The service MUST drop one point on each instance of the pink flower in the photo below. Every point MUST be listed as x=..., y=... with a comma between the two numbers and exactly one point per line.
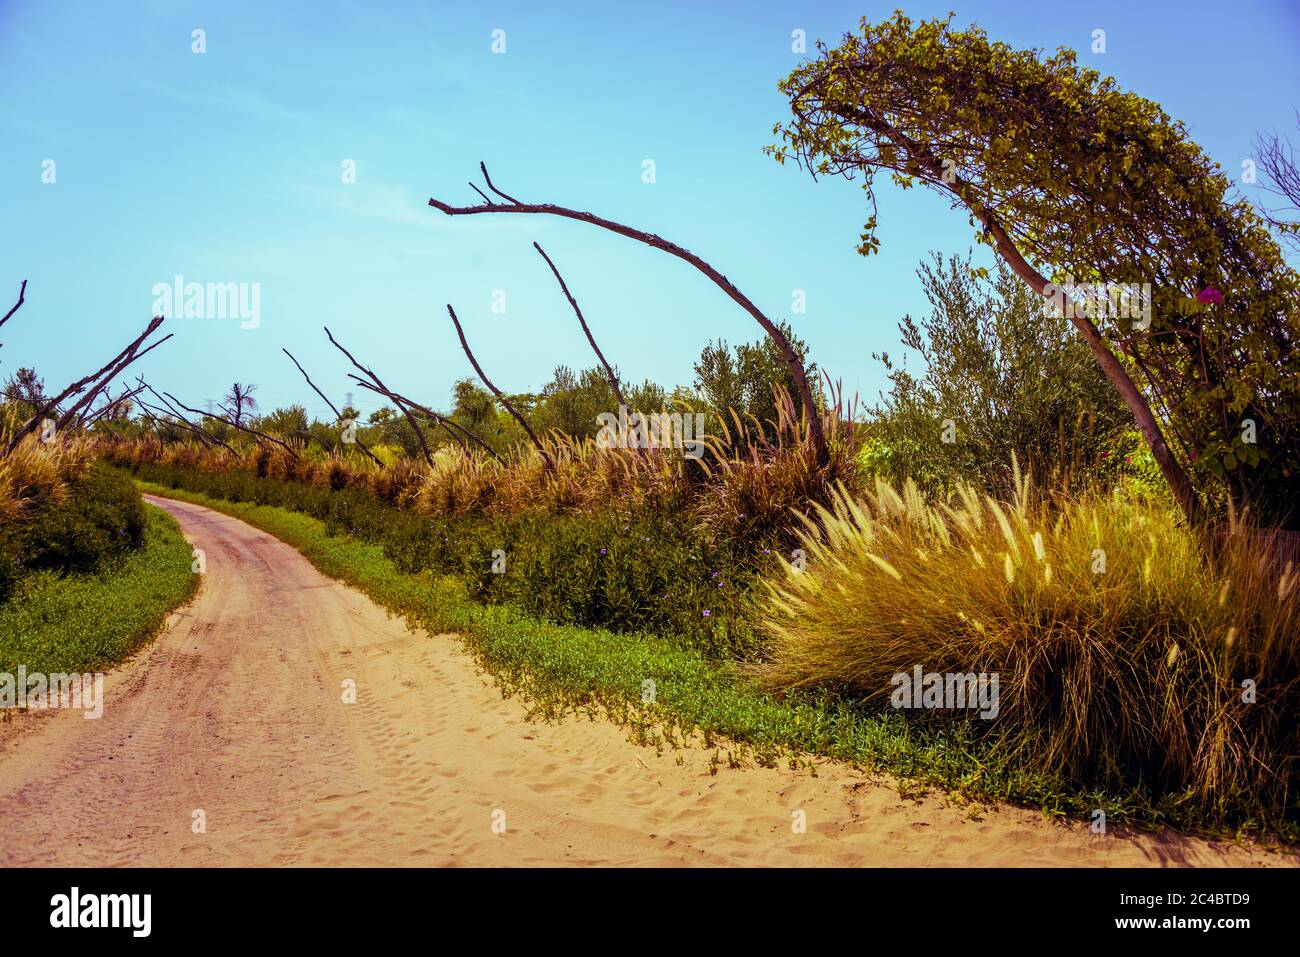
x=1210, y=296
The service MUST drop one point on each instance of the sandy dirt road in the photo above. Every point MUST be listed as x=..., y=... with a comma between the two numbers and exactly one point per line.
x=237, y=710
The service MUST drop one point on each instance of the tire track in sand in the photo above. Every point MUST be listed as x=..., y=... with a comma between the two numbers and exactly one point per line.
x=236, y=710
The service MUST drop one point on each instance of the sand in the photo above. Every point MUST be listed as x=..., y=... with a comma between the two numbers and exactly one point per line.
x=236, y=710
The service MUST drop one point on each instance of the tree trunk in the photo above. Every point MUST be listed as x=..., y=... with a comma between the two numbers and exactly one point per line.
x=1181, y=486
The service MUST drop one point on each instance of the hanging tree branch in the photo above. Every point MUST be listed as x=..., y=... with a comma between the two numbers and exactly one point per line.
x=419, y=433
x=337, y=414
x=613, y=379
x=537, y=443
x=816, y=431
x=398, y=399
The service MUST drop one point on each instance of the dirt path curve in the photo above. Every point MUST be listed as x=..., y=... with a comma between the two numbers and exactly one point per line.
x=237, y=710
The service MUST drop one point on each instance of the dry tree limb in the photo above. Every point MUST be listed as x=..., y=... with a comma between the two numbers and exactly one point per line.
x=204, y=436
x=447, y=423
x=118, y=363
x=242, y=428
x=613, y=379
x=22, y=297
x=1281, y=164
x=537, y=443
x=145, y=412
x=333, y=408
x=85, y=402
x=307, y=437
x=488, y=179
x=419, y=433
x=158, y=425
x=170, y=410
x=815, y=430
x=402, y=402
x=88, y=417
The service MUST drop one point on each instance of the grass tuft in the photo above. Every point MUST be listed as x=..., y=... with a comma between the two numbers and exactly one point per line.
x=1128, y=652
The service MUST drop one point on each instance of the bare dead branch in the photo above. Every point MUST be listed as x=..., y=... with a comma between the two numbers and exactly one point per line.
x=204, y=436
x=22, y=297
x=1279, y=161
x=84, y=402
x=118, y=363
x=488, y=179
x=537, y=443
x=613, y=379
x=402, y=402
x=88, y=418
x=170, y=425
x=242, y=428
x=815, y=429
x=397, y=398
x=333, y=408
x=419, y=433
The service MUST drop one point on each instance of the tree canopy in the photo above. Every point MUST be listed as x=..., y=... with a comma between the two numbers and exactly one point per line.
x=1070, y=177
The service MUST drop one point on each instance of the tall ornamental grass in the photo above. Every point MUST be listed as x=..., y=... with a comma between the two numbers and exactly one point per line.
x=1129, y=652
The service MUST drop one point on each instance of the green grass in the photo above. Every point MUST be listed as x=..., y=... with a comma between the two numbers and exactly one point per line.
x=85, y=622
x=565, y=669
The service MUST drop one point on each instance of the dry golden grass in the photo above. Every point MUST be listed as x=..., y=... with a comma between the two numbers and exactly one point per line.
x=39, y=471
x=1127, y=648
x=755, y=491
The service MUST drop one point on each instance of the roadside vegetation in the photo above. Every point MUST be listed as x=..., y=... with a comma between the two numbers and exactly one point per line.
x=87, y=572
x=567, y=669
x=1144, y=671
x=88, y=620
x=1098, y=507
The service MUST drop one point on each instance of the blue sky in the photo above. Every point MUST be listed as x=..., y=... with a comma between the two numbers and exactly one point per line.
x=226, y=167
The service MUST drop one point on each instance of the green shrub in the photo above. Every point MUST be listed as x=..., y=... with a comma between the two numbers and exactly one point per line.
x=102, y=518
x=86, y=621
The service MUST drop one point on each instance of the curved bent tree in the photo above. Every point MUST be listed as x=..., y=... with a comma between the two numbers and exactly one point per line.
x=1074, y=181
x=512, y=205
